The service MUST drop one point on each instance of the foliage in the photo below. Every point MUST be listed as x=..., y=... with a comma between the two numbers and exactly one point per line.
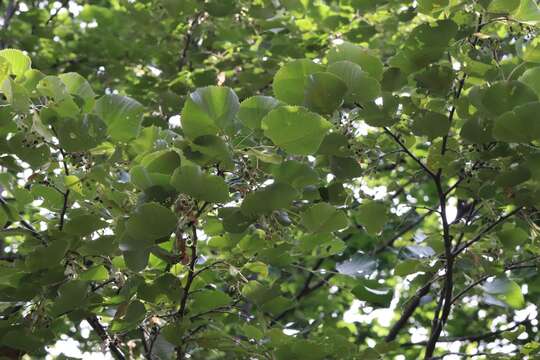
x=373, y=154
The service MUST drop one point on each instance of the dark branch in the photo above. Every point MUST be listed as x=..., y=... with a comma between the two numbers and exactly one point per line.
x=306, y=289
x=407, y=313
x=10, y=11
x=104, y=336
x=408, y=152
x=485, y=231
x=406, y=229
x=188, y=39
x=189, y=281
x=472, y=338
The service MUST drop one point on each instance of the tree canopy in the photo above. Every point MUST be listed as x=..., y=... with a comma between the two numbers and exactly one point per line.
x=270, y=179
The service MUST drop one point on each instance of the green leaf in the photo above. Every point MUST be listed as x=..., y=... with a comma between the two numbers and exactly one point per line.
x=429, y=6
x=503, y=6
x=335, y=144
x=358, y=55
x=324, y=92
x=321, y=244
x=295, y=173
x=430, y=124
x=290, y=80
x=208, y=300
x=272, y=197
x=5, y=69
x=277, y=305
x=511, y=237
x=136, y=260
x=47, y=257
x=359, y=266
x=190, y=179
x=22, y=339
x=81, y=134
x=324, y=218
x=73, y=183
x=380, y=114
x=435, y=80
x=151, y=221
x=71, y=295
x=528, y=12
x=502, y=96
x=78, y=86
x=505, y=290
x=144, y=180
x=19, y=61
x=477, y=130
x=425, y=45
x=234, y=221
x=529, y=51
x=257, y=293
x=512, y=176
x=345, y=167
x=165, y=289
x=375, y=294
x=406, y=267
x=36, y=156
x=84, y=224
x=3, y=217
x=295, y=129
x=95, y=273
x=361, y=87
x=122, y=115
x=209, y=111
x=210, y=150
x=520, y=125
x=134, y=314
x=531, y=78
x=161, y=162
x=173, y=332
x=16, y=95
x=372, y=215
x=255, y=108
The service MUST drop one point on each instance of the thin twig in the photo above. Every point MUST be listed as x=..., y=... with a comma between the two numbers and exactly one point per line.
x=408, y=152
x=471, y=338
x=485, y=231
x=63, y=4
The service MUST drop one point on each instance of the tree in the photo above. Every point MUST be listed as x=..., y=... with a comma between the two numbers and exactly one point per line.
x=224, y=179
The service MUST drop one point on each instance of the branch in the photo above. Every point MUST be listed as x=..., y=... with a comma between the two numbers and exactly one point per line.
x=191, y=274
x=486, y=230
x=10, y=257
x=472, y=338
x=187, y=41
x=23, y=222
x=55, y=13
x=405, y=230
x=407, y=313
x=514, y=266
x=445, y=302
x=408, y=152
x=306, y=289
x=104, y=336
x=147, y=354
x=189, y=281
x=66, y=194
x=10, y=11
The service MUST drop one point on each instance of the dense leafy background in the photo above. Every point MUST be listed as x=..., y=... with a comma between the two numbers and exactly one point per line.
x=228, y=179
